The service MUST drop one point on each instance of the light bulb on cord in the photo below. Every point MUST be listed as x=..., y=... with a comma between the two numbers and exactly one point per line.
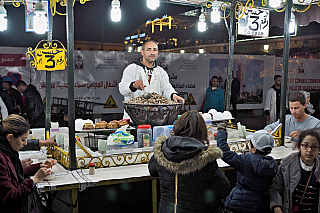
x=115, y=11
x=3, y=17
x=40, y=19
x=215, y=14
x=202, y=26
x=292, y=25
x=153, y=4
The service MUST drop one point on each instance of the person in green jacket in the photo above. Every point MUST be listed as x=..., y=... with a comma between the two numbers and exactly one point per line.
x=214, y=96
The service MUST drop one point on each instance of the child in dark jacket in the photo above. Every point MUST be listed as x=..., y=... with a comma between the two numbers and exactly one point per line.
x=255, y=172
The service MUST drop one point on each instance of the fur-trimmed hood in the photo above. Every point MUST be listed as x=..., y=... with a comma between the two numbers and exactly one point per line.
x=183, y=155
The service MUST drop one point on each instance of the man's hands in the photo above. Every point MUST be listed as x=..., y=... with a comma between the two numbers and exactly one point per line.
x=49, y=163
x=138, y=84
x=177, y=99
x=26, y=162
x=295, y=134
x=50, y=141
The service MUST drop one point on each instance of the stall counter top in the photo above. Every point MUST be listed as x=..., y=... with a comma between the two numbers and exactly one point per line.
x=105, y=176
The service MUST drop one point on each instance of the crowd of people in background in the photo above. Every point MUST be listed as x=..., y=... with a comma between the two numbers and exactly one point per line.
x=25, y=101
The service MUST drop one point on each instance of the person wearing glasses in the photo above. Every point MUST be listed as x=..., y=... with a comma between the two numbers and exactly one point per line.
x=295, y=188
x=298, y=121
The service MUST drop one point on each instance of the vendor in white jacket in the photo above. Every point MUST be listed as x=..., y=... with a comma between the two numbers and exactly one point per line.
x=146, y=74
x=272, y=102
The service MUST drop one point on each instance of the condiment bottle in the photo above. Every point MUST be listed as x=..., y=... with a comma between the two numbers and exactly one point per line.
x=144, y=135
x=92, y=167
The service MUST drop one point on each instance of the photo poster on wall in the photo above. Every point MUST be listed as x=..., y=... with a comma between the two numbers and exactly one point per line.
x=250, y=72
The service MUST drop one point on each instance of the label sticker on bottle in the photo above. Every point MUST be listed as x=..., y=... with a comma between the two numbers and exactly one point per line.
x=146, y=140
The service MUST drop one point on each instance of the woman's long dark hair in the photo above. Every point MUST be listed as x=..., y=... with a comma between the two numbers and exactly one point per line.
x=15, y=125
x=191, y=124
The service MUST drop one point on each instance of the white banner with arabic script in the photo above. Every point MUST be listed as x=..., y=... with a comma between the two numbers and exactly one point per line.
x=97, y=75
x=254, y=23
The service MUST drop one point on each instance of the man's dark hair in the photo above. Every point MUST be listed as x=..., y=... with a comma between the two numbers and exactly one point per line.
x=216, y=77
x=276, y=77
x=297, y=96
x=21, y=82
x=147, y=42
x=9, y=82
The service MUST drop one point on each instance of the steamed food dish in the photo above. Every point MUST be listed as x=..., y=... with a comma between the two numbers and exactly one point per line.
x=155, y=99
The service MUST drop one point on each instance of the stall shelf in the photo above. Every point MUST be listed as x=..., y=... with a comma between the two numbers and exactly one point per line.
x=131, y=156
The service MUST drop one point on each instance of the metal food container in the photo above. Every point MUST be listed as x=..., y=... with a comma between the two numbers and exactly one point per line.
x=153, y=114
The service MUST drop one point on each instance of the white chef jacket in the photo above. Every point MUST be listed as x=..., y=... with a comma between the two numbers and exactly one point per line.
x=159, y=82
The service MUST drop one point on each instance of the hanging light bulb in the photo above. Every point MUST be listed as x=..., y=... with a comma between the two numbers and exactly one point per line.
x=215, y=14
x=153, y=4
x=274, y=3
x=201, y=50
x=40, y=19
x=3, y=17
x=292, y=25
x=115, y=11
x=202, y=26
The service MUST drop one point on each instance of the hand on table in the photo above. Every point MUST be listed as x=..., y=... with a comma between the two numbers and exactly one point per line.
x=41, y=174
x=295, y=134
x=138, y=84
x=26, y=162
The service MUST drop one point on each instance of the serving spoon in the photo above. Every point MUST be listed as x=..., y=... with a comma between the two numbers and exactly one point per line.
x=146, y=95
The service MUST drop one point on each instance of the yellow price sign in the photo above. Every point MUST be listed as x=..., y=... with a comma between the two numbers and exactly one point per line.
x=51, y=59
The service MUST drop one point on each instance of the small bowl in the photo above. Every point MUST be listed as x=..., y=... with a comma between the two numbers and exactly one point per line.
x=287, y=139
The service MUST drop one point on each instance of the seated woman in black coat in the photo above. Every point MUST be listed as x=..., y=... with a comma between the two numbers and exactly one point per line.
x=190, y=179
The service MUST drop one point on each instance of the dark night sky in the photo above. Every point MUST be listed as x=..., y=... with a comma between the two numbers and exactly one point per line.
x=87, y=25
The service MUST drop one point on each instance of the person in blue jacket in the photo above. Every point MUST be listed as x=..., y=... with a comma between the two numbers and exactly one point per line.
x=255, y=172
x=214, y=96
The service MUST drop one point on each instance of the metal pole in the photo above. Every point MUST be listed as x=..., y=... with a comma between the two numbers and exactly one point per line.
x=231, y=33
x=48, y=84
x=286, y=50
x=102, y=31
x=71, y=113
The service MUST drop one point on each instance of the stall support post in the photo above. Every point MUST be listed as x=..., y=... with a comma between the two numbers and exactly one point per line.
x=48, y=84
x=154, y=196
x=75, y=200
x=231, y=33
x=286, y=51
x=71, y=113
